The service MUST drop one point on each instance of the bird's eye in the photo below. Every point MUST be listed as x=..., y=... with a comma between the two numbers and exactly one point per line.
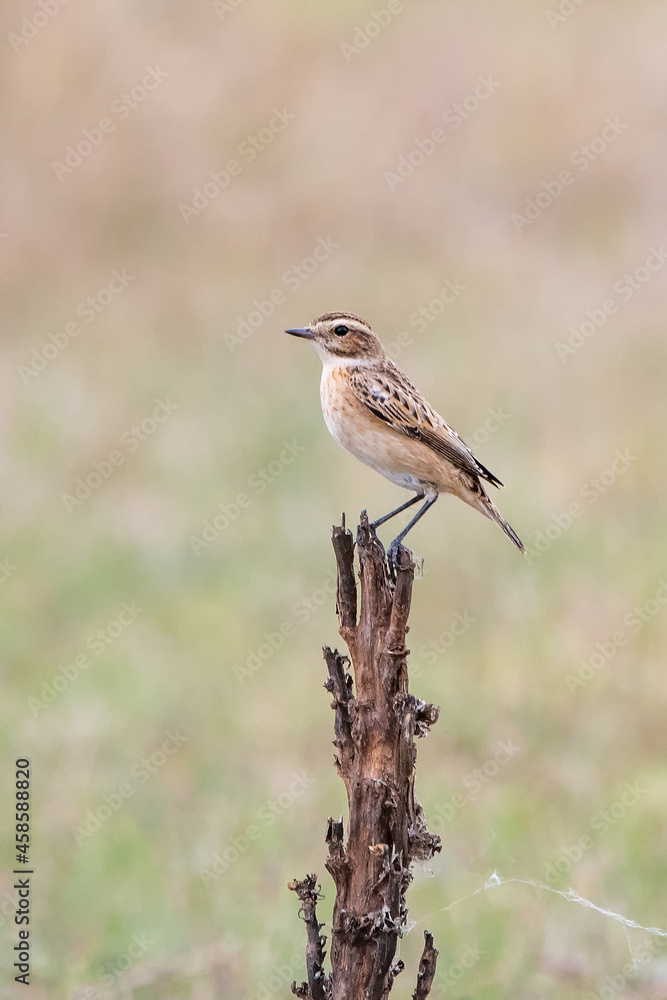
x=340, y=331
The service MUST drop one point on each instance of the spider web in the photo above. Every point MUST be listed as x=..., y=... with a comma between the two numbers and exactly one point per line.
x=571, y=895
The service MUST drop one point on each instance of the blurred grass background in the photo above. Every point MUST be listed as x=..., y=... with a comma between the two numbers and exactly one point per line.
x=132, y=894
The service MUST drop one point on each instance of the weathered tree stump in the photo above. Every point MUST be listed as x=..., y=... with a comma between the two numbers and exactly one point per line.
x=376, y=722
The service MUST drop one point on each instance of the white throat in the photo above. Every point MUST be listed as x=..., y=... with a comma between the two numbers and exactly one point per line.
x=331, y=361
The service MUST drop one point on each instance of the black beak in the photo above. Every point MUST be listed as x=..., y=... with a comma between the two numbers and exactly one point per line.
x=302, y=331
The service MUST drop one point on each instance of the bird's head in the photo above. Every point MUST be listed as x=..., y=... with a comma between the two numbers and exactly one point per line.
x=341, y=336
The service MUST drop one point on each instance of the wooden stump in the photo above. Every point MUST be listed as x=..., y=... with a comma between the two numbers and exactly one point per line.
x=376, y=722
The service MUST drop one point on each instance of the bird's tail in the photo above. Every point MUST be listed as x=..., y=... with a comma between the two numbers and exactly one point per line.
x=489, y=509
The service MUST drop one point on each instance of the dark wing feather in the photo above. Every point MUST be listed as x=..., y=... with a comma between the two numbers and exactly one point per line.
x=393, y=398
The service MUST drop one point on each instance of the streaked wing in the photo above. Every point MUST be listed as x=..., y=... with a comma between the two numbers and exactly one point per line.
x=393, y=398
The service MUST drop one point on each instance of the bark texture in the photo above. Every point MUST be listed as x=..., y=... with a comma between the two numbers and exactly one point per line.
x=376, y=722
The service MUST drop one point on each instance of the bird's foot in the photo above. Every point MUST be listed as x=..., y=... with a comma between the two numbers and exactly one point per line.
x=394, y=557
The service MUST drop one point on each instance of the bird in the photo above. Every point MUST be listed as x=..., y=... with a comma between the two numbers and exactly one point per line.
x=373, y=410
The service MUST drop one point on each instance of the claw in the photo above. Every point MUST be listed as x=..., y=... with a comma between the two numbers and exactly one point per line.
x=393, y=553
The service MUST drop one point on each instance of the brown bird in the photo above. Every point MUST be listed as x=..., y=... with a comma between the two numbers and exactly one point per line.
x=373, y=410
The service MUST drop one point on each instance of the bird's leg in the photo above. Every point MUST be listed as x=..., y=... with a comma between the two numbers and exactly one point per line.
x=404, y=506
x=392, y=552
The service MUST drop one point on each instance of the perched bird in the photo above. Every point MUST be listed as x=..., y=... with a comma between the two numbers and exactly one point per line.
x=373, y=410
